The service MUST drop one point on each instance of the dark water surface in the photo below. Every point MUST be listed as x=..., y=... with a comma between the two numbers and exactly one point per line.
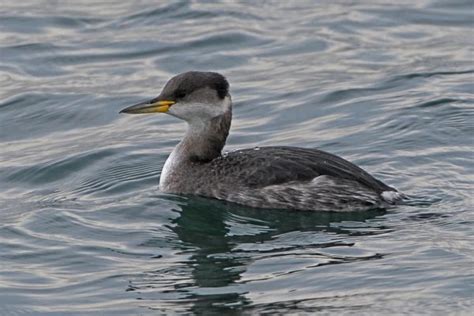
x=85, y=231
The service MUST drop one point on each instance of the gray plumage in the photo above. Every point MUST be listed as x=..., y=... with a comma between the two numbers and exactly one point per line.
x=265, y=177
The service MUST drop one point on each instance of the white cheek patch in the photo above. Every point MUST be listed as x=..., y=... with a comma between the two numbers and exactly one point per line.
x=200, y=111
x=226, y=104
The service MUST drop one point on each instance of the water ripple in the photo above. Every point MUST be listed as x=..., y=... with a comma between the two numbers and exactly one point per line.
x=84, y=229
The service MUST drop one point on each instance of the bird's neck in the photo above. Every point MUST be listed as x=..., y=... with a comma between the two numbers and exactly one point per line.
x=202, y=143
x=204, y=140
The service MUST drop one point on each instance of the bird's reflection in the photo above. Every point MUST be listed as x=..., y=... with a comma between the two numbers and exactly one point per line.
x=214, y=230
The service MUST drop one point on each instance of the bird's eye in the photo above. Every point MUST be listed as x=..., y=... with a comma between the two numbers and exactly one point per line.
x=180, y=94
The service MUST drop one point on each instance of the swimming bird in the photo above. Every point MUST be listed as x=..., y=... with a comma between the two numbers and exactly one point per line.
x=277, y=177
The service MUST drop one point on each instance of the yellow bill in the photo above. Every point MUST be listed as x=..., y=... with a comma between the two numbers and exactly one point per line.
x=161, y=106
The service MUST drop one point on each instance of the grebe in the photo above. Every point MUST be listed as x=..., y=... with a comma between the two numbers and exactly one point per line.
x=265, y=177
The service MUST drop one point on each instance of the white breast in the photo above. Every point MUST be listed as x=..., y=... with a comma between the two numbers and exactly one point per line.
x=168, y=168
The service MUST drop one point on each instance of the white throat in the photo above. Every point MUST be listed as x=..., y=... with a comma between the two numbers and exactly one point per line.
x=198, y=131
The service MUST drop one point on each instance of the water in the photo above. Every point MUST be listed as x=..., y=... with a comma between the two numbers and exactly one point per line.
x=85, y=231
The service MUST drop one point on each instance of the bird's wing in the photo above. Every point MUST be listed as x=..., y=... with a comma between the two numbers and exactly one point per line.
x=265, y=166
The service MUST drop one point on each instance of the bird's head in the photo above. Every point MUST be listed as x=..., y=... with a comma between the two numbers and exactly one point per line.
x=191, y=96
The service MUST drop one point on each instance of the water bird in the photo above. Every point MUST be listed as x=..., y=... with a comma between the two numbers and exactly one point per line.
x=277, y=177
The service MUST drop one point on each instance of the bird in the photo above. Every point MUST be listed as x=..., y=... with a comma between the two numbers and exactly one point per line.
x=273, y=177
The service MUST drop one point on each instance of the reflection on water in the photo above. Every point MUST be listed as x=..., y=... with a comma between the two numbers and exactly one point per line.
x=224, y=239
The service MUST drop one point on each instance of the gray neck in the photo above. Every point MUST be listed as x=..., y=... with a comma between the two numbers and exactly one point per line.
x=204, y=140
x=202, y=143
